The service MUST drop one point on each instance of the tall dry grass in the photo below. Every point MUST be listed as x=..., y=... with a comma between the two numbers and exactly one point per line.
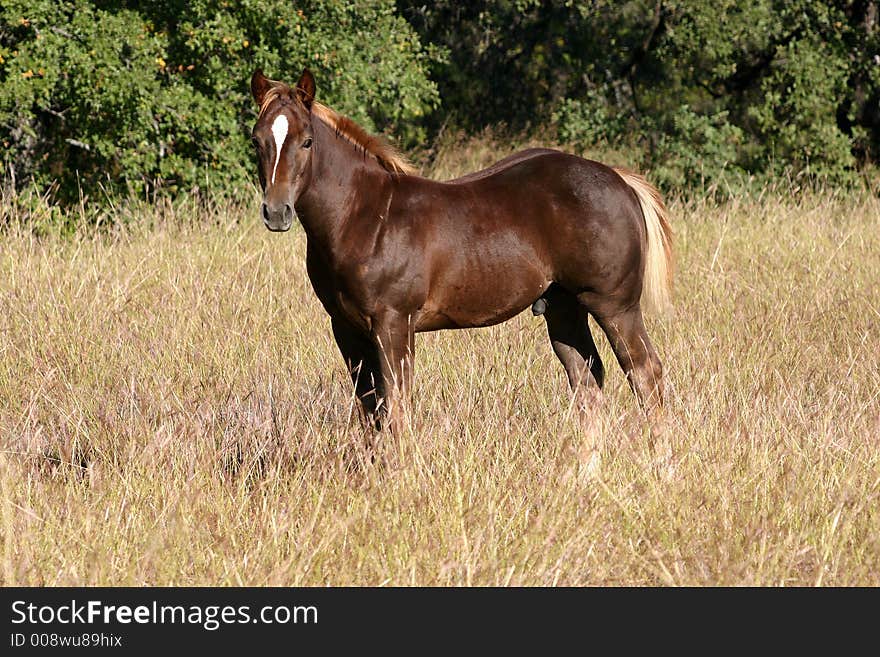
x=173, y=411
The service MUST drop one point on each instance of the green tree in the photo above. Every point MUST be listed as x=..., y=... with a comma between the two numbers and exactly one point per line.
x=778, y=69
x=697, y=88
x=154, y=95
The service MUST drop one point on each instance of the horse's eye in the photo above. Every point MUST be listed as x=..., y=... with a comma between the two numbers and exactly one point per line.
x=255, y=142
x=307, y=143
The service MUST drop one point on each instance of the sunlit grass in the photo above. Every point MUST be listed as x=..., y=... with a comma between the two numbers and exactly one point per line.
x=173, y=410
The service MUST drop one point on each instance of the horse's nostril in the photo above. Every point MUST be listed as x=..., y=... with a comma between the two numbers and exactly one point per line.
x=265, y=211
x=288, y=212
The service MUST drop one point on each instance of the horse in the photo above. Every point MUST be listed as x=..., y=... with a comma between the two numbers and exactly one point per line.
x=390, y=254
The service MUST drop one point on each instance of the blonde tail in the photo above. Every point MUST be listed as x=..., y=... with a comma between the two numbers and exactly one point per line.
x=657, y=285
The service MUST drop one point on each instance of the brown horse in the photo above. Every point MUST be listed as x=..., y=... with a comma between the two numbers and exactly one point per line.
x=390, y=254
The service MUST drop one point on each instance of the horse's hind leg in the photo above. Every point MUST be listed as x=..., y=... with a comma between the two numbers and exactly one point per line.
x=636, y=355
x=573, y=344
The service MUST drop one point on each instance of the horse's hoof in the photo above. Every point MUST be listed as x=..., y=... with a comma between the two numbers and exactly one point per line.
x=539, y=307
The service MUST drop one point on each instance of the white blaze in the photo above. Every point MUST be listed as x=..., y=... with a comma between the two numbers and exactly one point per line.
x=279, y=132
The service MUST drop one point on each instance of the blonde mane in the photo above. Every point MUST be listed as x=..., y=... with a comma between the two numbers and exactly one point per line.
x=389, y=157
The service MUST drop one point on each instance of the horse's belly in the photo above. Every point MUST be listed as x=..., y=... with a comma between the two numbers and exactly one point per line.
x=480, y=298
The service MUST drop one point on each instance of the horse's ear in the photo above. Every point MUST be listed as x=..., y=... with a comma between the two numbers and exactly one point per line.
x=260, y=84
x=305, y=88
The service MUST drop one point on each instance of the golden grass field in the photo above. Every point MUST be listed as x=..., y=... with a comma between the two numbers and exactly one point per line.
x=173, y=410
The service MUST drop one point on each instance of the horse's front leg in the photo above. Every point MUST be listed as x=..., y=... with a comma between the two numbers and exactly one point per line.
x=394, y=336
x=362, y=360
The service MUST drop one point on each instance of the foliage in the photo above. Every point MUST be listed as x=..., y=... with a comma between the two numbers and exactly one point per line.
x=696, y=88
x=587, y=121
x=153, y=96
x=138, y=95
x=779, y=69
x=696, y=148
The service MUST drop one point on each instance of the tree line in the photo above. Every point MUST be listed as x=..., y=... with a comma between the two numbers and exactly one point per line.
x=153, y=97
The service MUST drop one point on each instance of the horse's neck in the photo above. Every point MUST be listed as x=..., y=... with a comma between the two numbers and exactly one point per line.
x=344, y=182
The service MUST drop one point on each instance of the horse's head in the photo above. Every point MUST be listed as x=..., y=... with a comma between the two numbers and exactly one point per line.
x=282, y=137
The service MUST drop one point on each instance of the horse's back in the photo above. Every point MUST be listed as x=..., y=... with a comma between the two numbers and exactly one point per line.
x=501, y=165
x=554, y=171
x=552, y=200
x=547, y=190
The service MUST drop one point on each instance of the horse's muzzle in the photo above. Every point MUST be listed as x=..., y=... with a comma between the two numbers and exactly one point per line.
x=278, y=219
